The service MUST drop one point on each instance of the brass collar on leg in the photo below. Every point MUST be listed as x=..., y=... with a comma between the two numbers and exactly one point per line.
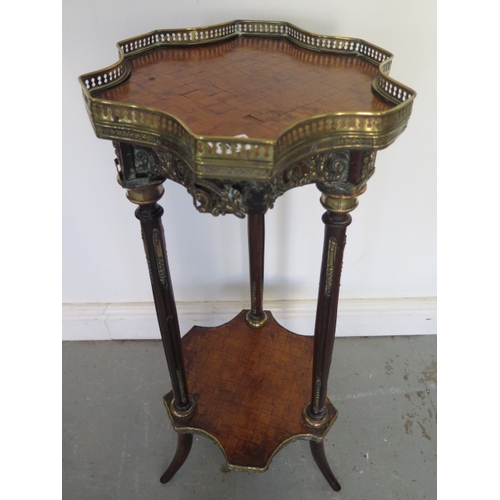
x=182, y=414
x=341, y=203
x=315, y=423
x=145, y=195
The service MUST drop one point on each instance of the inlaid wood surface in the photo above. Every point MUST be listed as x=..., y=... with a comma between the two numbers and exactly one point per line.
x=248, y=85
x=250, y=386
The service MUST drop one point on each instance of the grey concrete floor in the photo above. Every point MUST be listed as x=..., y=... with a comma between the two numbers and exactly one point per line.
x=118, y=440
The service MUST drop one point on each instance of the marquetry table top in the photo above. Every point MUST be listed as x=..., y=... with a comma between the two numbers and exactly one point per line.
x=280, y=89
x=254, y=86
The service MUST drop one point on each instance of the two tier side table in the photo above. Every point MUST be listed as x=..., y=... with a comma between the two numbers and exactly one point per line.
x=239, y=113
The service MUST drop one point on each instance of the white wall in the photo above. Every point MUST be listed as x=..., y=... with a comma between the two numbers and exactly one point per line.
x=391, y=248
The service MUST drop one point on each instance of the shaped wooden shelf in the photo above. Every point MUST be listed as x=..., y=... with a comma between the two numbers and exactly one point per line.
x=250, y=386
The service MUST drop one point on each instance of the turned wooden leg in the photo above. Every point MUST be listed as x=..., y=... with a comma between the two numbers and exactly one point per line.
x=256, y=317
x=326, y=314
x=184, y=444
x=339, y=198
x=149, y=213
x=318, y=453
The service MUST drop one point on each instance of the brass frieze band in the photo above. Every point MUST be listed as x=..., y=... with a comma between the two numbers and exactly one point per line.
x=329, y=170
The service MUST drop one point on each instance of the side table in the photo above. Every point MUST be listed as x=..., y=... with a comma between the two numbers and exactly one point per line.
x=239, y=113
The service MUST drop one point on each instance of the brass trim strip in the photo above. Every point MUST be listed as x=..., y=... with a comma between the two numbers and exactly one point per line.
x=195, y=430
x=330, y=265
x=160, y=261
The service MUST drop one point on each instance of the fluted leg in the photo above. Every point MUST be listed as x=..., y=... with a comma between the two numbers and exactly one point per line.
x=149, y=213
x=256, y=317
x=326, y=315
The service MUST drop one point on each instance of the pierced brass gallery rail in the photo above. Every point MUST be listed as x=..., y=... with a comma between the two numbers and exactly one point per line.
x=251, y=159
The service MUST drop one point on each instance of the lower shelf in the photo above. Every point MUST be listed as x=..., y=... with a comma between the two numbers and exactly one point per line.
x=251, y=387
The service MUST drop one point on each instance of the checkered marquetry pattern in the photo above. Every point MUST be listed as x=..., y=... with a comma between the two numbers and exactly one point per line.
x=250, y=387
x=248, y=85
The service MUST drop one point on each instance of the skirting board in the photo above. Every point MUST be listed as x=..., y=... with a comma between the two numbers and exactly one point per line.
x=356, y=318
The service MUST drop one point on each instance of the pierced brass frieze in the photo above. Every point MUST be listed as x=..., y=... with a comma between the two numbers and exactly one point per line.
x=329, y=166
x=329, y=171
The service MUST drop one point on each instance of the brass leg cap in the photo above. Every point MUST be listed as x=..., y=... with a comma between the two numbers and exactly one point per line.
x=315, y=423
x=255, y=322
x=182, y=414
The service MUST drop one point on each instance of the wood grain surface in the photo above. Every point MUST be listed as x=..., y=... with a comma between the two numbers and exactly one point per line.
x=250, y=386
